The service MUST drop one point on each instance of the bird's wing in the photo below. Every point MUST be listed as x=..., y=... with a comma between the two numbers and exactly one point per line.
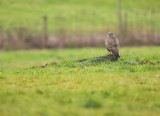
x=114, y=45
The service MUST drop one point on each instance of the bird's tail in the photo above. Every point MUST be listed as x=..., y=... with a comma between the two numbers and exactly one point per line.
x=116, y=56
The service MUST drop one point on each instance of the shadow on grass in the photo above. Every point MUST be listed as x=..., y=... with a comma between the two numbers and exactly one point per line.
x=98, y=59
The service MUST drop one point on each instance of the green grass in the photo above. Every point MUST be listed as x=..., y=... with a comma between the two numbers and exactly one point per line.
x=76, y=15
x=129, y=87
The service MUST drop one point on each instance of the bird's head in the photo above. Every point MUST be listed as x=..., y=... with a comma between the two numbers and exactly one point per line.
x=110, y=34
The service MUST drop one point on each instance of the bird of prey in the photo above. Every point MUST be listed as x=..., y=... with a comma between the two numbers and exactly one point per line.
x=112, y=45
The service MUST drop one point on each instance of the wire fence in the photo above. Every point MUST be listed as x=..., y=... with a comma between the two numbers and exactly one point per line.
x=132, y=28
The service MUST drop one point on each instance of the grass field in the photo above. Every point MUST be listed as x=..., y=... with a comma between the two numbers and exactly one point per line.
x=87, y=15
x=129, y=87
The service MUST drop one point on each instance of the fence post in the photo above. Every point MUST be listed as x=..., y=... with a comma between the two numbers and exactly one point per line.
x=153, y=28
x=119, y=17
x=45, y=32
x=125, y=26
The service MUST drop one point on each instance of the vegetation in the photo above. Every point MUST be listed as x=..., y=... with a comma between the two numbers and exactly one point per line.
x=66, y=87
x=69, y=14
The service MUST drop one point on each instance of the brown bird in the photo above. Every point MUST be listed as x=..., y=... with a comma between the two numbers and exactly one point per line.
x=112, y=45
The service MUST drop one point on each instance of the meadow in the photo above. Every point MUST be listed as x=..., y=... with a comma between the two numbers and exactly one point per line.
x=129, y=87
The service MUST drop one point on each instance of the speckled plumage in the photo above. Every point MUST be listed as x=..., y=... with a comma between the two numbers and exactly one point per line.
x=112, y=45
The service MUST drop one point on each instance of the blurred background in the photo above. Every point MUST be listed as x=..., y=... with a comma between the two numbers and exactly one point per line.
x=38, y=24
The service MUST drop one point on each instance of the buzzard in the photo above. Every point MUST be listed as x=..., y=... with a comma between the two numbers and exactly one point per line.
x=112, y=45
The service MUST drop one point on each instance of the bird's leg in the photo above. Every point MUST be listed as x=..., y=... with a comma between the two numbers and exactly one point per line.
x=110, y=53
